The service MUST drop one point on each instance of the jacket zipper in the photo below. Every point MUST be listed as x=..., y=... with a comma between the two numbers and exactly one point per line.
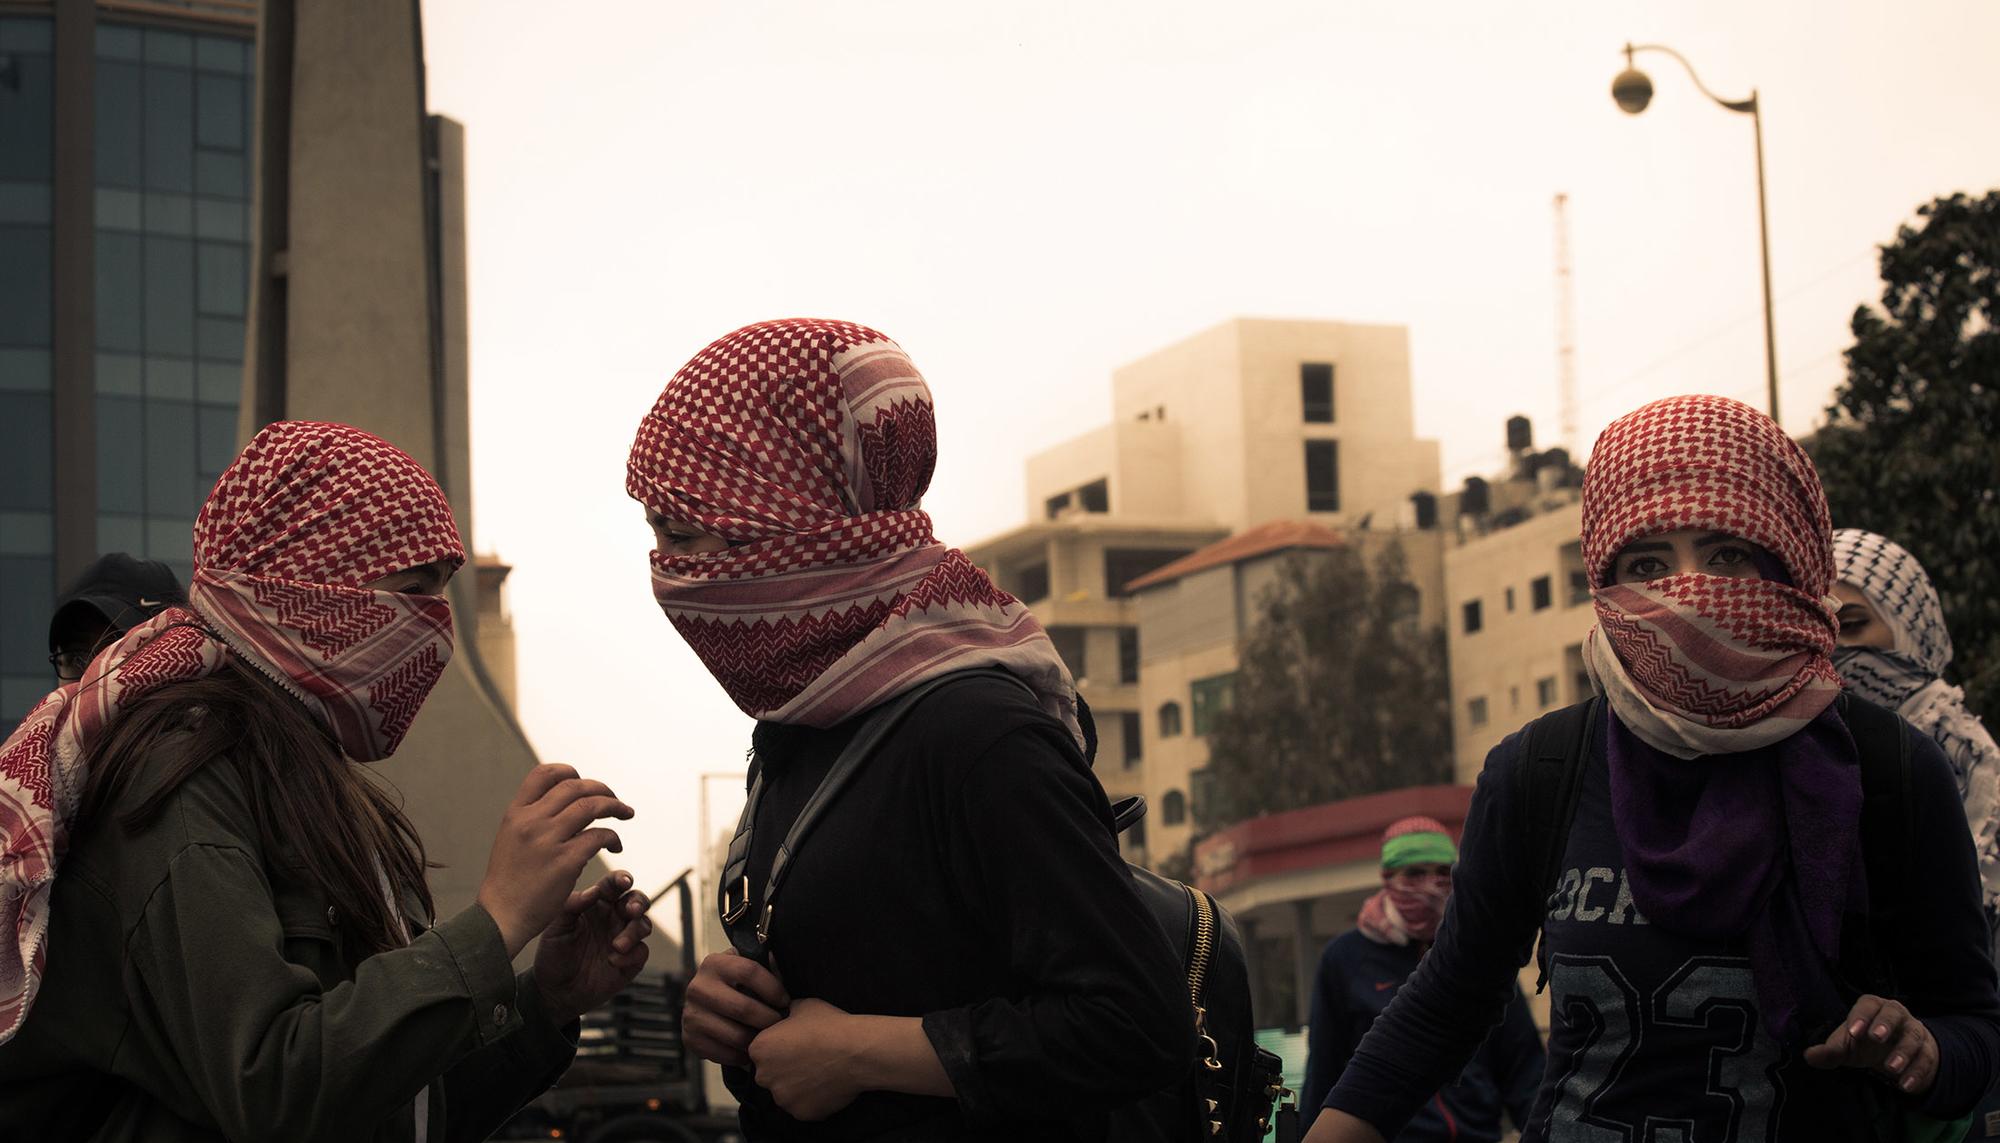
x=1200, y=952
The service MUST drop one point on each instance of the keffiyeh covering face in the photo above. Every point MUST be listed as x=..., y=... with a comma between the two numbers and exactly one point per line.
x=1907, y=678
x=1400, y=913
x=807, y=445
x=1901, y=593
x=1699, y=664
x=307, y=514
x=1735, y=791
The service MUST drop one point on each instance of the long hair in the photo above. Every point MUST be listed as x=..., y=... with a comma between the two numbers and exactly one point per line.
x=318, y=812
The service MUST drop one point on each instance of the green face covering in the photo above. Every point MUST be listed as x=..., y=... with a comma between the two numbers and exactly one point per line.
x=1418, y=849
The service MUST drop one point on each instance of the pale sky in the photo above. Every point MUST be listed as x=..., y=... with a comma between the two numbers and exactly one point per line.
x=1028, y=195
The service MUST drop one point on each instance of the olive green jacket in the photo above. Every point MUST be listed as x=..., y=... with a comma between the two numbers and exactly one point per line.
x=194, y=992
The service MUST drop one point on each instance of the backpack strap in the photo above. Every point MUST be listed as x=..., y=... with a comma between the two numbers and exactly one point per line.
x=1888, y=830
x=749, y=935
x=1548, y=782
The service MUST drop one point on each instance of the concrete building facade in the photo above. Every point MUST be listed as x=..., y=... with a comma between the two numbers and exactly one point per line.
x=1228, y=452
x=1283, y=419
x=357, y=314
x=1518, y=613
x=1072, y=573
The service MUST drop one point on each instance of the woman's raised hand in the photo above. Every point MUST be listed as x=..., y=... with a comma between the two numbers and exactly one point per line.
x=1884, y=1037
x=545, y=839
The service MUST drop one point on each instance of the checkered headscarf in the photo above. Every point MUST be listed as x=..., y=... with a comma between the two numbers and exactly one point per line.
x=1907, y=678
x=1901, y=592
x=306, y=515
x=1700, y=664
x=808, y=445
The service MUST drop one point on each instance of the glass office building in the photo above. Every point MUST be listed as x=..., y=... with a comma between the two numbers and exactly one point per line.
x=140, y=364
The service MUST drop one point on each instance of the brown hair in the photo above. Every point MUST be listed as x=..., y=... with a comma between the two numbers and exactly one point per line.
x=317, y=811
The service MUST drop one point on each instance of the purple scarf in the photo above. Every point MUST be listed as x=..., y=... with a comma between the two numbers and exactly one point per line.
x=1763, y=846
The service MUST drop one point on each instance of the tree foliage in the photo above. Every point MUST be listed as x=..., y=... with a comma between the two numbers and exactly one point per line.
x=1912, y=444
x=1340, y=691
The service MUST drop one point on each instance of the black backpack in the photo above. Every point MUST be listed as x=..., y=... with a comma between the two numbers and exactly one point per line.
x=1230, y=1093
x=1235, y=1088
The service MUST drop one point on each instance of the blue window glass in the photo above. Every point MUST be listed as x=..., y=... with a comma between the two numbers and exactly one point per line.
x=171, y=540
x=120, y=209
x=120, y=375
x=220, y=339
x=218, y=219
x=27, y=455
x=121, y=124
x=219, y=383
x=169, y=276
x=221, y=174
x=175, y=48
x=169, y=120
x=27, y=112
x=27, y=533
x=218, y=102
x=169, y=214
x=120, y=292
x=24, y=630
x=27, y=370
x=24, y=286
x=24, y=202
x=28, y=34
x=230, y=57
x=170, y=460
x=218, y=441
x=116, y=43
x=121, y=445
x=122, y=534
x=220, y=270
x=169, y=379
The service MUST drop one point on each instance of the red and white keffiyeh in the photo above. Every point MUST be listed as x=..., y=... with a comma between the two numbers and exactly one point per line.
x=808, y=445
x=1699, y=664
x=306, y=515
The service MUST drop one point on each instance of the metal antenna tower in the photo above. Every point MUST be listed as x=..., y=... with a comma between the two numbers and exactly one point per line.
x=1565, y=331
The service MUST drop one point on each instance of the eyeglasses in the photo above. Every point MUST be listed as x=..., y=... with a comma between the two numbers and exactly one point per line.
x=70, y=665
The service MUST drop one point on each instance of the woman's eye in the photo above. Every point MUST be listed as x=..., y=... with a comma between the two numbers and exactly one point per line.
x=1645, y=567
x=1729, y=557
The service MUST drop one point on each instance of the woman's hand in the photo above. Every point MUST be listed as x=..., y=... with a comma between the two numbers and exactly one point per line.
x=1882, y=1036
x=729, y=1001
x=544, y=842
x=595, y=947
x=818, y=1058
x=808, y=1061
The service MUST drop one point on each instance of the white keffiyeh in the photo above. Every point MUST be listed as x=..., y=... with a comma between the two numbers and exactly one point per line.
x=1907, y=678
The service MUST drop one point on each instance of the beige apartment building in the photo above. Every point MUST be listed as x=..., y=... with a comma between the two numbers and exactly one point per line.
x=1152, y=537
x=1250, y=421
x=1518, y=609
x=1072, y=572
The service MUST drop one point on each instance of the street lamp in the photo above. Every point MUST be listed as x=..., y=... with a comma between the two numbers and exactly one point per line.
x=1633, y=90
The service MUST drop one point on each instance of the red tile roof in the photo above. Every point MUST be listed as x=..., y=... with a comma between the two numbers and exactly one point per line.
x=1315, y=837
x=1277, y=536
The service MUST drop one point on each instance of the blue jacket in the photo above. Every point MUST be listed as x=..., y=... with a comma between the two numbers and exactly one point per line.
x=1357, y=979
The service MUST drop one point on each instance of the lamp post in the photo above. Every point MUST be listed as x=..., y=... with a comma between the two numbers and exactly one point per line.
x=1633, y=90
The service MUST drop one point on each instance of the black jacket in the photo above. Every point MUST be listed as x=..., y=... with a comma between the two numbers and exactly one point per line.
x=970, y=875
